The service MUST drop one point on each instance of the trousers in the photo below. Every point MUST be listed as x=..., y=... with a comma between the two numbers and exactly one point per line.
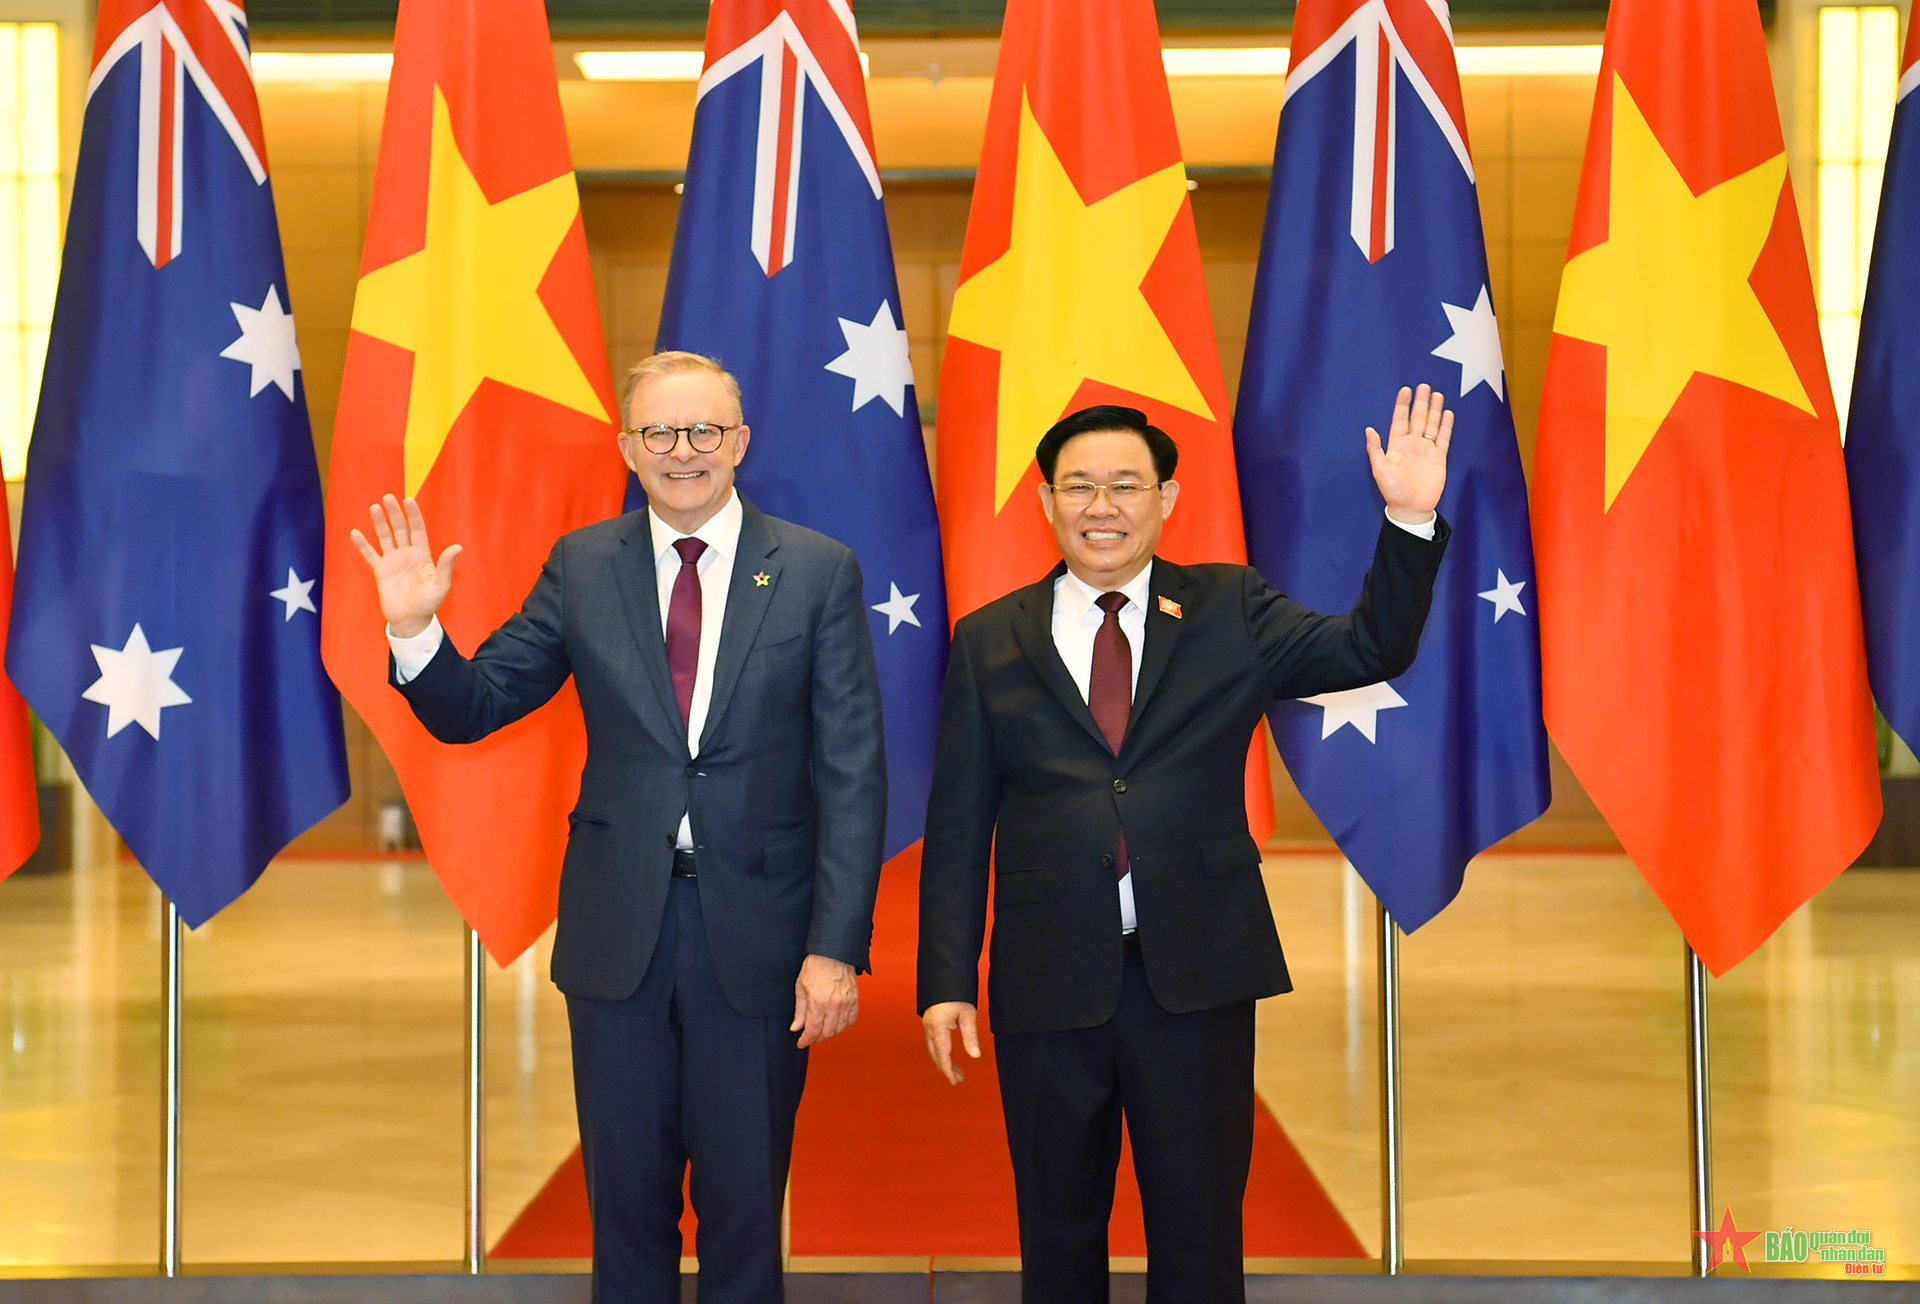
x=673, y=1077
x=1183, y=1083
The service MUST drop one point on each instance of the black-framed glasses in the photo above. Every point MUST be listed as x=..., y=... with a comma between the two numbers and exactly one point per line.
x=702, y=436
x=1081, y=493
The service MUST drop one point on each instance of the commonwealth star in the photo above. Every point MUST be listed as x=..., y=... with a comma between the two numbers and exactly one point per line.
x=135, y=683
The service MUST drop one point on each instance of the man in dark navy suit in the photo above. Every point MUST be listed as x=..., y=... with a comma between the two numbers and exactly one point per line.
x=717, y=894
x=1092, y=740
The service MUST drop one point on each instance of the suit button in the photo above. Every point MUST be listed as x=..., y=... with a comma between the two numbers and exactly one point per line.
x=693, y=771
x=1106, y=861
x=1119, y=785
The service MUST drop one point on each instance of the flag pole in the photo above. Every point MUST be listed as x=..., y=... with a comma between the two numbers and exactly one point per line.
x=171, y=931
x=1393, y=1249
x=476, y=1257
x=1699, y=1116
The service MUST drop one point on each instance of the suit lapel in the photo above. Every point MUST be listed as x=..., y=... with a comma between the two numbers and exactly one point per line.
x=1163, y=632
x=636, y=576
x=1033, y=631
x=747, y=602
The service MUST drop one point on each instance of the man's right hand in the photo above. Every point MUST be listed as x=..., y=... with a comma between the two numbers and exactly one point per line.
x=412, y=585
x=940, y=1022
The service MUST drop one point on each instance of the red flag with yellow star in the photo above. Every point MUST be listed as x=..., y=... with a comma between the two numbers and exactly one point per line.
x=477, y=381
x=1704, y=670
x=1080, y=283
x=19, y=795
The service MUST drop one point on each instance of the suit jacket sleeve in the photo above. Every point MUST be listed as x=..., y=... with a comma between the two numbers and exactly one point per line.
x=849, y=773
x=1305, y=653
x=956, y=859
x=515, y=671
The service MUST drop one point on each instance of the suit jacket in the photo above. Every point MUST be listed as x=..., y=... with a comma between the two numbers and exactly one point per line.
x=787, y=799
x=1025, y=788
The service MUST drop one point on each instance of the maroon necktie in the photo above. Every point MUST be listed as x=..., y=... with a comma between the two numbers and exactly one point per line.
x=683, y=625
x=1110, y=689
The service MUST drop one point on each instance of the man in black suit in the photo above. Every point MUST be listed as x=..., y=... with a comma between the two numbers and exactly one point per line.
x=1093, y=734
x=717, y=895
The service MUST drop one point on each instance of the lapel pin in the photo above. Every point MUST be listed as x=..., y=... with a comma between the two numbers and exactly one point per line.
x=1171, y=607
x=763, y=579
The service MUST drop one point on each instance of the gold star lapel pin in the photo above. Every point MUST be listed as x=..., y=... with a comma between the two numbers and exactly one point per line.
x=1171, y=607
x=762, y=580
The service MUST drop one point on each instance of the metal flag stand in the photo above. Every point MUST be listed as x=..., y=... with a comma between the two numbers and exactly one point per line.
x=1699, y=1117
x=476, y=1256
x=170, y=939
x=1393, y=1248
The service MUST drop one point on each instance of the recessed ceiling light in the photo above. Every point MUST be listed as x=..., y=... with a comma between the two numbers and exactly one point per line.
x=647, y=65
x=289, y=66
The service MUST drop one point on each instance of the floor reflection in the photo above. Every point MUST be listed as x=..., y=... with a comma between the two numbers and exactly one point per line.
x=1544, y=1062
x=1544, y=1090
x=322, y=1071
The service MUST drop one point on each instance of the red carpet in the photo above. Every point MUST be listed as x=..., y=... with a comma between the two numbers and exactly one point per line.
x=890, y=1160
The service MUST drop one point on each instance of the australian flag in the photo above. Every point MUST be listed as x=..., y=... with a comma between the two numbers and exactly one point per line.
x=782, y=269
x=1883, y=423
x=1373, y=275
x=166, y=619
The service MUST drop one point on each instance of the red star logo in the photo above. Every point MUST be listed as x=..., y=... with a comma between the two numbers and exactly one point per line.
x=1728, y=1240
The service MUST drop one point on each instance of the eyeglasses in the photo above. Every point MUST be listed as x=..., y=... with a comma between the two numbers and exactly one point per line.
x=702, y=436
x=1081, y=493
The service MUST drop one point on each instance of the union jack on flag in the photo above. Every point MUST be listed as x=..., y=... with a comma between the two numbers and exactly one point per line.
x=166, y=617
x=1391, y=40
x=205, y=40
x=1415, y=776
x=799, y=44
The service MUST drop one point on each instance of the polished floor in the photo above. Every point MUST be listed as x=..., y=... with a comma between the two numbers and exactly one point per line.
x=1544, y=1067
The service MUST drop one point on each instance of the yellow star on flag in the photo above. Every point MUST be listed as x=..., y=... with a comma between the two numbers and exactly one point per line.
x=1063, y=304
x=468, y=303
x=1667, y=292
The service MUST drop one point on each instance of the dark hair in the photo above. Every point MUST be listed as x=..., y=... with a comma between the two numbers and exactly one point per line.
x=1107, y=417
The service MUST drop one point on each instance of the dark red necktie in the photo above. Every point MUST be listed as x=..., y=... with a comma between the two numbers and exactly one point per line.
x=683, y=625
x=1110, y=689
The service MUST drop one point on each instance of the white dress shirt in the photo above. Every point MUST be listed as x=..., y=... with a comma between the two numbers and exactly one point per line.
x=1077, y=619
x=721, y=534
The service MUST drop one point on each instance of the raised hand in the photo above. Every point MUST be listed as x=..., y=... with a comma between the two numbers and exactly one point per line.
x=1411, y=470
x=412, y=585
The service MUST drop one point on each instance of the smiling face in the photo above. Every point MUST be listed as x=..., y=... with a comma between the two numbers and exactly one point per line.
x=684, y=487
x=1105, y=543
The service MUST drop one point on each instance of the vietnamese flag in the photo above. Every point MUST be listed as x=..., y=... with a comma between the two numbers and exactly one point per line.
x=1704, y=671
x=1079, y=284
x=19, y=795
x=477, y=381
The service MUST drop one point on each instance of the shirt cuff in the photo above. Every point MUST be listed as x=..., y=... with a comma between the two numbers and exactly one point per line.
x=410, y=655
x=1425, y=530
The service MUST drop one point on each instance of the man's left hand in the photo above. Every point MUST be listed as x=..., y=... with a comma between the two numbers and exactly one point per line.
x=1411, y=470
x=826, y=999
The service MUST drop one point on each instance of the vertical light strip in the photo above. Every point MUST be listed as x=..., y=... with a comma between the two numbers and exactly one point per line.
x=1859, y=66
x=29, y=224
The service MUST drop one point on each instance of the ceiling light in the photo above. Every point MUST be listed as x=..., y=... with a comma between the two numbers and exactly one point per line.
x=1527, y=60
x=1474, y=61
x=1266, y=61
x=648, y=65
x=285, y=66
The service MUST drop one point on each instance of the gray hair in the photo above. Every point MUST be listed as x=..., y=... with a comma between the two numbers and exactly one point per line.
x=675, y=362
